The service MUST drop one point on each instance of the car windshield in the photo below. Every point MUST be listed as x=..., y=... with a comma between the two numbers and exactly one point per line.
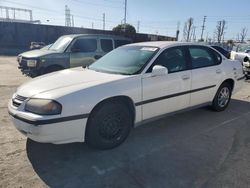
x=243, y=48
x=127, y=60
x=61, y=43
x=46, y=47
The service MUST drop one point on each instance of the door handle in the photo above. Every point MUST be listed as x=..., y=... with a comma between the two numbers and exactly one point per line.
x=97, y=56
x=185, y=77
x=218, y=71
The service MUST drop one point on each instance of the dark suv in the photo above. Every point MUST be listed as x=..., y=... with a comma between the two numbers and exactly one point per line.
x=68, y=51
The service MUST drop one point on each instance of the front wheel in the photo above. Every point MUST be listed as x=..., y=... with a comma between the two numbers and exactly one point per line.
x=222, y=97
x=109, y=125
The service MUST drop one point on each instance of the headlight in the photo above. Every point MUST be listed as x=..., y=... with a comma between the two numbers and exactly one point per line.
x=31, y=63
x=43, y=107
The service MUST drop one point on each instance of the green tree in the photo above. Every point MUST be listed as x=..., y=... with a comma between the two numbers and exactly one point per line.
x=125, y=28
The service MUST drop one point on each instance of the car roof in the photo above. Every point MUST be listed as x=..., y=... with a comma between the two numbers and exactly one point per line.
x=163, y=44
x=97, y=35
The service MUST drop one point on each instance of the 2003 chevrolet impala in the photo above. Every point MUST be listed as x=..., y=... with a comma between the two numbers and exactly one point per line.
x=101, y=103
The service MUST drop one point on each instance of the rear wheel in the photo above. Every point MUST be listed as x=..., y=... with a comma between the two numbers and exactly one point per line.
x=222, y=97
x=109, y=125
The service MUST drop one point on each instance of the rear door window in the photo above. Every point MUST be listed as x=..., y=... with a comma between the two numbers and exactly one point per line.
x=85, y=45
x=106, y=45
x=203, y=57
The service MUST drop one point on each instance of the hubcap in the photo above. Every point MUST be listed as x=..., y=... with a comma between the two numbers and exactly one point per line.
x=223, y=97
x=110, y=127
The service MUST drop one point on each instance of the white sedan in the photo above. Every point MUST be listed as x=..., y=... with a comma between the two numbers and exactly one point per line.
x=132, y=84
x=242, y=53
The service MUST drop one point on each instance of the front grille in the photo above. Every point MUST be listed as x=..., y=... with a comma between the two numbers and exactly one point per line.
x=23, y=63
x=18, y=100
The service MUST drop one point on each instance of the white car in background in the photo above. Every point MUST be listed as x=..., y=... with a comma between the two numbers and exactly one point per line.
x=130, y=85
x=241, y=53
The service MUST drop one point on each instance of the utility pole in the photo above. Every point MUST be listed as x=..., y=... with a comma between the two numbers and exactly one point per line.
x=72, y=18
x=31, y=15
x=138, y=26
x=203, y=27
x=7, y=13
x=14, y=14
x=125, y=13
x=104, y=20
x=194, y=34
x=178, y=31
x=125, y=16
x=207, y=37
x=67, y=16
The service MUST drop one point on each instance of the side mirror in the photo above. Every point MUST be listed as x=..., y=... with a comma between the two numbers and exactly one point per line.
x=159, y=70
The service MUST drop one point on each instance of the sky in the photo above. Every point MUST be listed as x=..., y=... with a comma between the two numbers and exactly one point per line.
x=155, y=17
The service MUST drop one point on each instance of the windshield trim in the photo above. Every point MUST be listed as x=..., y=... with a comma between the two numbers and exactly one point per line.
x=149, y=60
x=62, y=50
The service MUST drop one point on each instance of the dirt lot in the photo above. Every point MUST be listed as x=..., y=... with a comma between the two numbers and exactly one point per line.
x=200, y=148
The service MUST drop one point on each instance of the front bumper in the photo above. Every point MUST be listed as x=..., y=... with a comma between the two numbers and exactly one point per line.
x=32, y=72
x=49, y=130
x=25, y=69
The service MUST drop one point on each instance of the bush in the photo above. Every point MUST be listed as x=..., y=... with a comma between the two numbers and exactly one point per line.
x=125, y=28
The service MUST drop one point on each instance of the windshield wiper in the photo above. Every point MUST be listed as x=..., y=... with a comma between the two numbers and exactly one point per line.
x=108, y=72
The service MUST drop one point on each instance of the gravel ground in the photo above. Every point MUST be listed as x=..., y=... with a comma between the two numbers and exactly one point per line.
x=199, y=148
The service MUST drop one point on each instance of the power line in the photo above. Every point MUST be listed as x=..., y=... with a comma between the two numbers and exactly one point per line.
x=113, y=1
x=144, y=24
x=96, y=4
x=59, y=12
x=138, y=26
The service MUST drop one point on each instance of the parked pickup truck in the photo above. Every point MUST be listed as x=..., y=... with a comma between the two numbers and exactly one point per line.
x=67, y=52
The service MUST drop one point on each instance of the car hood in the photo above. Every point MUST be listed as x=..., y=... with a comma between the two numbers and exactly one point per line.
x=66, y=78
x=37, y=53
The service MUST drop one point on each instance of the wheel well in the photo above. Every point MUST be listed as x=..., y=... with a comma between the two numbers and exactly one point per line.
x=246, y=59
x=230, y=81
x=123, y=99
x=43, y=69
x=54, y=66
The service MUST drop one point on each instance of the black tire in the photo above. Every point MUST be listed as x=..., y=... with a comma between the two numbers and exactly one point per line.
x=108, y=125
x=220, y=103
x=52, y=69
